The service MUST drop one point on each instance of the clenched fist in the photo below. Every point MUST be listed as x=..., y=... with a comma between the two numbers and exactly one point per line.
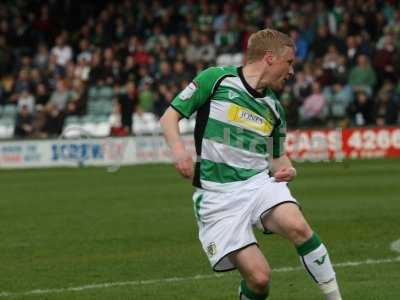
x=183, y=160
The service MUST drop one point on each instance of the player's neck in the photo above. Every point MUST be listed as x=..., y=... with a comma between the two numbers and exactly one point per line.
x=252, y=73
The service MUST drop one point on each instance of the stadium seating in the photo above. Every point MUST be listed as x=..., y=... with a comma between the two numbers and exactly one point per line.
x=7, y=120
x=105, y=65
x=6, y=128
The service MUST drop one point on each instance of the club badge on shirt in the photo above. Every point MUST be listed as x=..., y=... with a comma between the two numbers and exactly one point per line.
x=188, y=91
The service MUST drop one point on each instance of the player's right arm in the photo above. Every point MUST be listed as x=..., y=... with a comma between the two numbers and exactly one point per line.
x=181, y=157
x=185, y=104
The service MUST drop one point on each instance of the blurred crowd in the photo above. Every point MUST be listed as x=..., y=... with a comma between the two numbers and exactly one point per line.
x=53, y=52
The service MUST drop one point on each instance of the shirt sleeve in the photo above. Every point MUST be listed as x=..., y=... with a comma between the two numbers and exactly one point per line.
x=279, y=134
x=196, y=94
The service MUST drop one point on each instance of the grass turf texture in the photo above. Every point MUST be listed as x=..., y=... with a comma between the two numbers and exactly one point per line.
x=63, y=228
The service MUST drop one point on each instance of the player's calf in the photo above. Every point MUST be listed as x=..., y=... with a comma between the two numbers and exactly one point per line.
x=288, y=221
x=315, y=259
x=255, y=285
x=255, y=271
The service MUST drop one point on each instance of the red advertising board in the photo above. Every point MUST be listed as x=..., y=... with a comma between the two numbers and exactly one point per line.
x=336, y=144
x=371, y=142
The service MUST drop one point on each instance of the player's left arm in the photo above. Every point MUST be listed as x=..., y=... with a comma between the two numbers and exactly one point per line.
x=282, y=168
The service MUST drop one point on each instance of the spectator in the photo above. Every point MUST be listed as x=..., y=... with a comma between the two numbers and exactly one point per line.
x=338, y=97
x=127, y=105
x=116, y=73
x=54, y=71
x=386, y=109
x=156, y=38
x=41, y=59
x=362, y=76
x=332, y=59
x=384, y=59
x=164, y=95
x=172, y=50
x=27, y=101
x=129, y=71
x=82, y=69
x=291, y=106
x=5, y=55
x=141, y=56
x=97, y=72
x=21, y=37
x=322, y=40
x=227, y=19
x=2, y=94
x=85, y=50
x=361, y=110
x=206, y=51
x=99, y=38
x=42, y=95
x=190, y=52
x=24, y=123
x=120, y=29
x=76, y=104
x=165, y=74
x=313, y=110
x=36, y=77
x=60, y=97
x=62, y=51
x=44, y=24
x=23, y=82
x=206, y=18
x=180, y=72
x=302, y=85
x=146, y=97
x=226, y=39
x=108, y=67
x=54, y=120
x=301, y=44
x=352, y=49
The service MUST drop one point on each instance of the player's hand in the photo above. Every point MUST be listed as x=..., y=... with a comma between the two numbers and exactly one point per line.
x=285, y=174
x=183, y=160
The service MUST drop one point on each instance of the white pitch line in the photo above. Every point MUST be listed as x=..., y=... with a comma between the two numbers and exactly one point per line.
x=180, y=279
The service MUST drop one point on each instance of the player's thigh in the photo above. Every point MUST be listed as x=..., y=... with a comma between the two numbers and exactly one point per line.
x=288, y=221
x=251, y=263
x=224, y=221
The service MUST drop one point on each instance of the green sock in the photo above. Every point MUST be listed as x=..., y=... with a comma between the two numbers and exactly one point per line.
x=247, y=294
x=310, y=245
x=315, y=258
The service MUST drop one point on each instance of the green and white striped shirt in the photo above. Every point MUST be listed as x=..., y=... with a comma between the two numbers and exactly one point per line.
x=237, y=128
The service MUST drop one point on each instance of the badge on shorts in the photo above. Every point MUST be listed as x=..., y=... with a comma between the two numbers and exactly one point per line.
x=212, y=249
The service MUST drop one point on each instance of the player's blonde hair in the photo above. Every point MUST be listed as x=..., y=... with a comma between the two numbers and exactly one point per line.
x=267, y=40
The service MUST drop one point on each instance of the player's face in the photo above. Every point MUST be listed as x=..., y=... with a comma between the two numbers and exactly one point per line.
x=281, y=69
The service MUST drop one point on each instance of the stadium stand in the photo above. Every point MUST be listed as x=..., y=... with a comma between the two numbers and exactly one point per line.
x=73, y=71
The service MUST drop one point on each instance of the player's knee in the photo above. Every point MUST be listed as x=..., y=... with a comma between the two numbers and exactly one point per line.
x=259, y=281
x=299, y=232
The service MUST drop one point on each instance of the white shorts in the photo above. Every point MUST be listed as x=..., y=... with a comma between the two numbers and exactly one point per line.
x=226, y=220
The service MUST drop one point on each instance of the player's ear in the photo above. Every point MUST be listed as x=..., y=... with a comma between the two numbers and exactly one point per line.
x=269, y=57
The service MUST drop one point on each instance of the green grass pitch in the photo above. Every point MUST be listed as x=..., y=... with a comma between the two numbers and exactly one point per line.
x=131, y=234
